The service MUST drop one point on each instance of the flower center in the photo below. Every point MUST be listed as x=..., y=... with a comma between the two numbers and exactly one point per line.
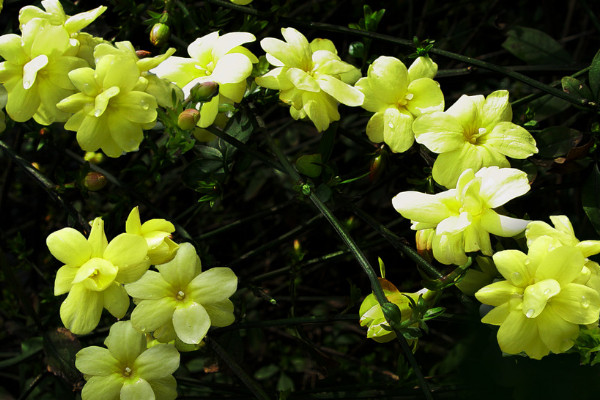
x=126, y=372
x=404, y=101
x=180, y=295
x=473, y=135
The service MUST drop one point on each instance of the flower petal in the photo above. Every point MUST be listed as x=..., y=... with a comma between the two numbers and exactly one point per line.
x=511, y=140
x=116, y=300
x=498, y=293
x=497, y=315
x=501, y=225
x=69, y=247
x=191, y=322
x=426, y=97
x=96, y=360
x=341, y=91
x=519, y=333
x=220, y=312
x=157, y=362
x=149, y=315
x=496, y=109
x=213, y=285
x=180, y=271
x=513, y=265
x=397, y=129
x=135, y=390
x=151, y=286
x=562, y=264
x=102, y=387
x=124, y=342
x=126, y=249
x=439, y=132
x=231, y=68
x=81, y=310
x=64, y=279
x=556, y=333
x=421, y=207
x=577, y=304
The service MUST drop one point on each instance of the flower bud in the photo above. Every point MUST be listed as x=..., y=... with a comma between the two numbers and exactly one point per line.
x=142, y=53
x=203, y=92
x=94, y=181
x=309, y=165
x=188, y=119
x=424, y=239
x=93, y=157
x=159, y=34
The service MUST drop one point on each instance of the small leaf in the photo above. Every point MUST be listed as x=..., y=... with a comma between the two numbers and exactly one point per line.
x=594, y=76
x=590, y=198
x=535, y=47
x=557, y=141
x=327, y=142
x=576, y=88
x=266, y=372
x=240, y=126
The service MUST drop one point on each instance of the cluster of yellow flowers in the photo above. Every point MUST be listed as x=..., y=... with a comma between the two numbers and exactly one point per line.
x=177, y=304
x=105, y=93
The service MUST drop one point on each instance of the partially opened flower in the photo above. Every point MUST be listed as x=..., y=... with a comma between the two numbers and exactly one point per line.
x=93, y=273
x=464, y=217
x=157, y=234
x=311, y=77
x=182, y=302
x=372, y=316
x=539, y=306
x=35, y=71
x=397, y=95
x=112, y=108
x=214, y=58
x=473, y=133
x=127, y=368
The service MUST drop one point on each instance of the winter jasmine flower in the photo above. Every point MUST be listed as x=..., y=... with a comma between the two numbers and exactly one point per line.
x=397, y=96
x=112, y=108
x=473, y=133
x=372, y=316
x=464, y=217
x=539, y=306
x=35, y=71
x=157, y=234
x=54, y=13
x=180, y=301
x=127, y=368
x=311, y=77
x=93, y=273
x=214, y=58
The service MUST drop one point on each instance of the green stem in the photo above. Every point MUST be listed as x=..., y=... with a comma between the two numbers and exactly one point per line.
x=253, y=386
x=397, y=242
x=364, y=263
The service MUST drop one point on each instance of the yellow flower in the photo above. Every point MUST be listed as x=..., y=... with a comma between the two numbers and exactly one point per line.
x=473, y=133
x=35, y=71
x=128, y=368
x=372, y=316
x=93, y=273
x=539, y=306
x=464, y=217
x=157, y=234
x=397, y=96
x=563, y=234
x=112, y=108
x=182, y=302
x=311, y=78
x=55, y=14
x=214, y=58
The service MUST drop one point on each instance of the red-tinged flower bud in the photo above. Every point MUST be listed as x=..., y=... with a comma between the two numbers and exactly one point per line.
x=188, y=119
x=203, y=92
x=94, y=181
x=159, y=34
x=142, y=53
x=376, y=167
x=424, y=239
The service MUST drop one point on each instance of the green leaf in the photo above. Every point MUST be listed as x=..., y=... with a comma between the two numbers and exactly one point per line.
x=240, y=126
x=266, y=372
x=327, y=142
x=309, y=165
x=594, y=76
x=535, y=47
x=590, y=198
x=576, y=88
x=208, y=168
x=61, y=346
x=556, y=141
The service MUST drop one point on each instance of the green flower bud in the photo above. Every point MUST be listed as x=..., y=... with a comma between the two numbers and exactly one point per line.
x=94, y=181
x=159, y=34
x=203, y=92
x=309, y=165
x=188, y=119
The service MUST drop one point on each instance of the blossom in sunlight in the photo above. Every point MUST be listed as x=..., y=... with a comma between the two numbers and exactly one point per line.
x=160, y=88
x=563, y=234
x=128, y=368
x=397, y=95
x=157, y=234
x=180, y=301
x=311, y=77
x=35, y=71
x=93, y=273
x=112, y=108
x=54, y=13
x=372, y=316
x=464, y=217
x=539, y=306
x=473, y=133
x=214, y=58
